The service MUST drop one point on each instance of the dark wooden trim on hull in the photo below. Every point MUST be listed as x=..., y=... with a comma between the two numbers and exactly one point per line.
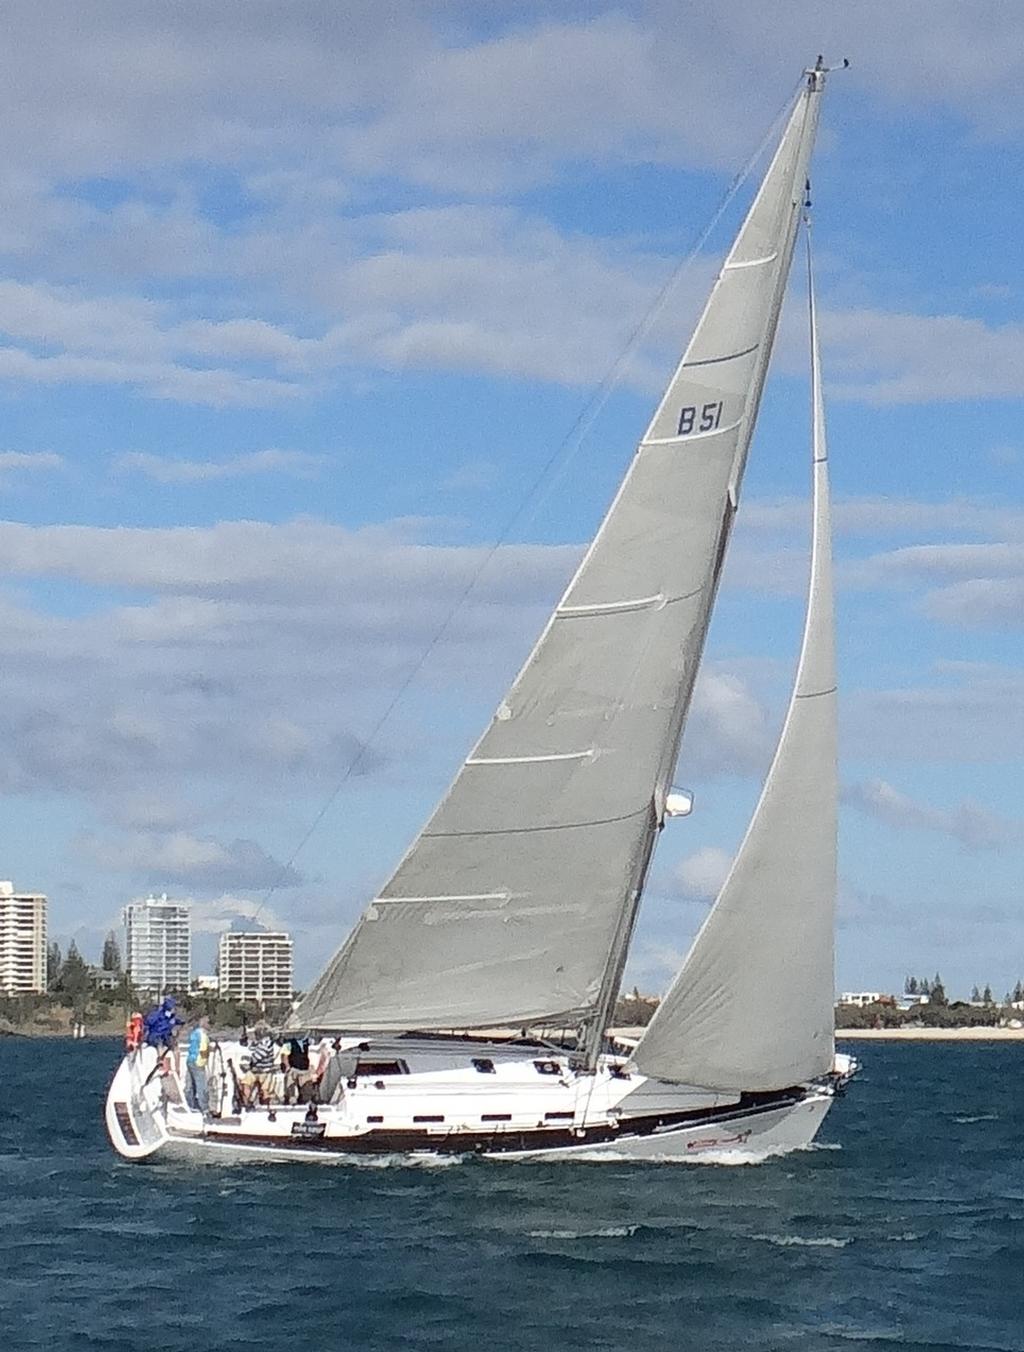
x=390, y=1142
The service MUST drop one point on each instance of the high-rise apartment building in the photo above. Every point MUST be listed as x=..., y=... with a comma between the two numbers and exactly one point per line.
x=255, y=965
x=158, y=945
x=22, y=942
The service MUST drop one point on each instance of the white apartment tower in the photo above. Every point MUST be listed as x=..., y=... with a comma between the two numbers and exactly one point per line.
x=158, y=945
x=255, y=965
x=22, y=942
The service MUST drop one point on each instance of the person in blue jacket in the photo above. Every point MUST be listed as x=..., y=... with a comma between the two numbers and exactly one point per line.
x=161, y=1024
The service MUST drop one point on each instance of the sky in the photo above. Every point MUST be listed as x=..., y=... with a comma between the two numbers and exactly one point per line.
x=309, y=314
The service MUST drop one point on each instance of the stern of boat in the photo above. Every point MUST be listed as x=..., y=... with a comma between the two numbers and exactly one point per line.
x=134, y=1110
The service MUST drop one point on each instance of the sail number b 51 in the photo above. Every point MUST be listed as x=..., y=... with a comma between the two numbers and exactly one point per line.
x=704, y=419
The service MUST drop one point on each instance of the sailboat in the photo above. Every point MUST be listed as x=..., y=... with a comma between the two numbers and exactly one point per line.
x=511, y=914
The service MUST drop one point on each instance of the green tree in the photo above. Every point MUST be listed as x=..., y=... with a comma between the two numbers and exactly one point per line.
x=111, y=954
x=1018, y=991
x=74, y=980
x=986, y=995
x=975, y=995
x=910, y=986
x=937, y=995
x=53, y=965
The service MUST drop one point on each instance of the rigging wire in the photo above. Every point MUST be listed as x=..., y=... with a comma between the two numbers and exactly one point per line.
x=547, y=478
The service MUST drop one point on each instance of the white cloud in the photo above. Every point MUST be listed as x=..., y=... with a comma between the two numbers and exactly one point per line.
x=14, y=463
x=701, y=874
x=198, y=681
x=216, y=388
x=408, y=85
x=980, y=603
x=216, y=915
x=165, y=470
x=882, y=357
x=728, y=731
x=891, y=515
x=153, y=104
x=968, y=713
x=971, y=824
x=181, y=859
x=968, y=585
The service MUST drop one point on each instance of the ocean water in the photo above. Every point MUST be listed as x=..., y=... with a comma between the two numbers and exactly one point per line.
x=904, y=1227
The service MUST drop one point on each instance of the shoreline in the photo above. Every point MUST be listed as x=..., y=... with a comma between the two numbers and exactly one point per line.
x=977, y=1034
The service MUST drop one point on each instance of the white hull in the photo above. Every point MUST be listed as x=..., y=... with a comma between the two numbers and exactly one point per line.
x=747, y=1140
x=442, y=1107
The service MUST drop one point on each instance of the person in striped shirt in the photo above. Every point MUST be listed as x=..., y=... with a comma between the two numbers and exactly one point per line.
x=264, y=1062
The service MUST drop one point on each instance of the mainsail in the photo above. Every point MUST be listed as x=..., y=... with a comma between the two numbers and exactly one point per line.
x=752, y=1007
x=516, y=902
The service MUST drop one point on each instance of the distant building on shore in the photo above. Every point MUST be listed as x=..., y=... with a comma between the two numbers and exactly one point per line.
x=862, y=998
x=255, y=965
x=158, y=945
x=22, y=941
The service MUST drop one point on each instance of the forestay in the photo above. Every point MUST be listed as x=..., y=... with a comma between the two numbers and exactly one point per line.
x=752, y=1007
x=515, y=903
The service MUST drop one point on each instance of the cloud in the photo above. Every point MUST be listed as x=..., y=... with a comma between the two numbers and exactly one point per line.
x=217, y=915
x=966, y=712
x=216, y=388
x=181, y=859
x=882, y=357
x=164, y=470
x=252, y=654
x=972, y=825
x=13, y=463
x=890, y=515
x=701, y=875
x=980, y=603
x=475, y=476
x=404, y=86
x=728, y=731
x=968, y=585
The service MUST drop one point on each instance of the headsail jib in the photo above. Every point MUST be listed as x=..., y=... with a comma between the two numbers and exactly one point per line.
x=752, y=1007
x=516, y=902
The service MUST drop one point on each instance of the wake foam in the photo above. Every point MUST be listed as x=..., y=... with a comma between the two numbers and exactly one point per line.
x=804, y=1242
x=606, y=1232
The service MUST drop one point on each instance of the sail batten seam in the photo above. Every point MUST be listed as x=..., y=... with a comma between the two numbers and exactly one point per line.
x=610, y=607
x=816, y=694
x=458, y=896
x=715, y=361
x=531, y=760
x=751, y=262
x=618, y=607
x=536, y=830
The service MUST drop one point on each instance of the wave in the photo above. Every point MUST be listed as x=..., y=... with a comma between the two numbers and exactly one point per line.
x=979, y=1117
x=804, y=1242
x=611, y=1156
x=606, y=1232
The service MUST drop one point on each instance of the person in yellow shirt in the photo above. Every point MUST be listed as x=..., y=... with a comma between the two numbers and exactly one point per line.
x=197, y=1092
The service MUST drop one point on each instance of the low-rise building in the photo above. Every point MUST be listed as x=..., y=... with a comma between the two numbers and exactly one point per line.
x=105, y=980
x=22, y=941
x=255, y=965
